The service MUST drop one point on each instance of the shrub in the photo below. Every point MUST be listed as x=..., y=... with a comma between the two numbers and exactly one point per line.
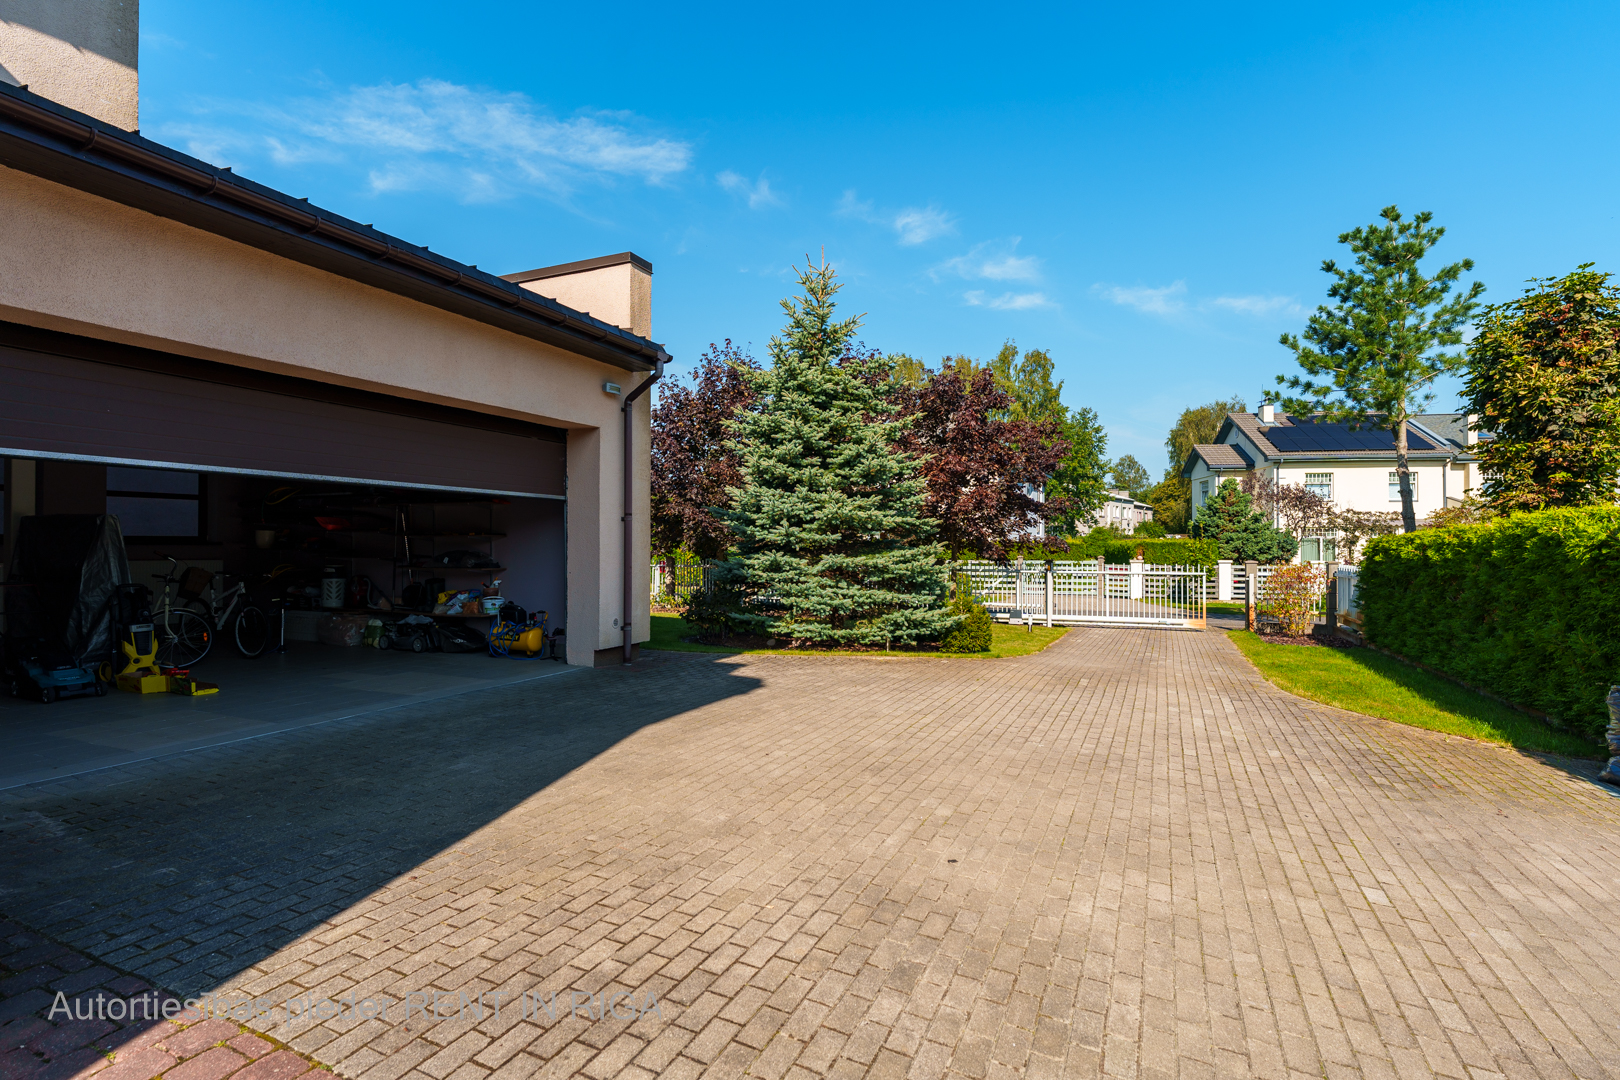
x=1151, y=529
x=1522, y=606
x=1290, y=597
x=1113, y=548
x=1229, y=518
x=1163, y=552
x=713, y=612
x=972, y=634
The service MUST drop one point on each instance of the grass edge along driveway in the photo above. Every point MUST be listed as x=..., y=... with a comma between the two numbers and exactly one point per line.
x=1370, y=683
x=1005, y=640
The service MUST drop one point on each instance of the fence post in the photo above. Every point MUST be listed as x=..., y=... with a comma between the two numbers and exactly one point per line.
x=1049, y=592
x=1332, y=611
x=1223, y=580
x=1251, y=571
x=1137, y=578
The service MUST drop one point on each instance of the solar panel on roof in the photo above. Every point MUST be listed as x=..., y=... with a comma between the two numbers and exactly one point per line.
x=1305, y=436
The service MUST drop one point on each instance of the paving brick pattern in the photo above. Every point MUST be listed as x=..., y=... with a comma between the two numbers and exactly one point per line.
x=115, y=1026
x=1124, y=856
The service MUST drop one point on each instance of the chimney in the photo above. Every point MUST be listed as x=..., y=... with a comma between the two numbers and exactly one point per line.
x=1470, y=436
x=1268, y=413
x=78, y=53
x=614, y=288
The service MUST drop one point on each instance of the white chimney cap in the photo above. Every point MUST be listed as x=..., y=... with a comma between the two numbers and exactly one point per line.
x=1268, y=413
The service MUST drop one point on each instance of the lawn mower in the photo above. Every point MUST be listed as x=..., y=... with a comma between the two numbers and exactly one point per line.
x=59, y=629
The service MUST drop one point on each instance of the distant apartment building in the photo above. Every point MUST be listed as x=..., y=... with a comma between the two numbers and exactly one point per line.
x=1121, y=512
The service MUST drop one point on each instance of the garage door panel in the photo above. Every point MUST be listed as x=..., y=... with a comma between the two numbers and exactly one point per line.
x=64, y=406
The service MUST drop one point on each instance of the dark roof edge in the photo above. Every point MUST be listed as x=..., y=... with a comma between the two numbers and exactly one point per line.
x=40, y=137
x=563, y=269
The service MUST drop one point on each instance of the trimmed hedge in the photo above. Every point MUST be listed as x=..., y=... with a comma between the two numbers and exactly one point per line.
x=1119, y=550
x=1524, y=606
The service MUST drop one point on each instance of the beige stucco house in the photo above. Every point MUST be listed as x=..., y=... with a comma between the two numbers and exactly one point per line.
x=187, y=346
x=1355, y=469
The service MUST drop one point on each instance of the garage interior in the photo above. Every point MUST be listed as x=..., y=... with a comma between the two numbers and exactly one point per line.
x=289, y=487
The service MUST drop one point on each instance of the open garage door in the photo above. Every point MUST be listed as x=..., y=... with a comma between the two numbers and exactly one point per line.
x=74, y=398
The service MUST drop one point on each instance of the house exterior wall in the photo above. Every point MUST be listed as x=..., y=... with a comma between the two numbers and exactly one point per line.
x=1121, y=512
x=1364, y=485
x=82, y=53
x=620, y=295
x=87, y=265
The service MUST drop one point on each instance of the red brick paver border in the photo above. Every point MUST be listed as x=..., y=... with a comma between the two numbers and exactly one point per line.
x=39, y=1042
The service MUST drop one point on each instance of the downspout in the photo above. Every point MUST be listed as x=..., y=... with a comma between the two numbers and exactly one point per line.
x=629, y=502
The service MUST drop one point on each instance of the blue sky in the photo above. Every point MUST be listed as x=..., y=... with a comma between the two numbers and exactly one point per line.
x=1147, y=193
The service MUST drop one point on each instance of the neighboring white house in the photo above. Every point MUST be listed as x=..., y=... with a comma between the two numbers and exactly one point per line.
x=1121, y=512
x=1355, y=469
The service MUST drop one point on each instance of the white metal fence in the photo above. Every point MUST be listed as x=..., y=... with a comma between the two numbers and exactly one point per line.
x=672, y=580
x=1077, y=593
x=1080, y=592
x=1068, y=594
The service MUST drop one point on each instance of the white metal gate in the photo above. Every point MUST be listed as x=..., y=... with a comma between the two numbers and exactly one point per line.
x=1077, y=593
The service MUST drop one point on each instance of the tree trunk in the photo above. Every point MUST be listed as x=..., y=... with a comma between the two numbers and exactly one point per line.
x=1403, y=472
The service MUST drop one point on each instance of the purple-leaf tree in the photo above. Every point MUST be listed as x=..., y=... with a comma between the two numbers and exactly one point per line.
x=693, y=462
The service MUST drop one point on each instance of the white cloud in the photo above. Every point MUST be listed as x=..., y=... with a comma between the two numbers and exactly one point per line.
x=920, y=226
x=1260, y=306
x=913, y=224
x=431, y=133
x=758, y=194
x=1165, y=301
x=1007, y=301
x=994, y=260
x=850, y=206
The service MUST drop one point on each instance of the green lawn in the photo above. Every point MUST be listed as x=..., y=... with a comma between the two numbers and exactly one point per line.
x=1226, y=606
x=668, y=630
x=1371, y=683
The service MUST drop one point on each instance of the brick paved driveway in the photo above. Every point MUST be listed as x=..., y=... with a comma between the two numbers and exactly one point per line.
x=1126, y=855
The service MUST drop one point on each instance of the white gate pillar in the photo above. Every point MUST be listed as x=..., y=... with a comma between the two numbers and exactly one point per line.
x=1223, y=580
x=1138, y=577
x=1048, y=594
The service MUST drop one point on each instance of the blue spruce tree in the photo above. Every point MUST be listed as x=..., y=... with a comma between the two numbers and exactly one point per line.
x=832, y=545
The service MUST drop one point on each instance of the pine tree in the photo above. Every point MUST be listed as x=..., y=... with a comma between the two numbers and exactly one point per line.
x=832, y=542
x=1240, y=532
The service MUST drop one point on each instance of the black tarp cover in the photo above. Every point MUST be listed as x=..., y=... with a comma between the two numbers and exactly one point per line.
x=70, y=563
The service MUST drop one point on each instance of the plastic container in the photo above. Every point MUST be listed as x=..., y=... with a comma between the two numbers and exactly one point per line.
x=491, y=605
x=333, y=585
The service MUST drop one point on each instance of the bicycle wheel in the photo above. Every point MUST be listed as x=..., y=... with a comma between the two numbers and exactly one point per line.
x=183, y=638
x=251, y=631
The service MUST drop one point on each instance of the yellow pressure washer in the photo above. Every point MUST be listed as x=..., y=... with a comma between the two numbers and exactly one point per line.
x=140, y=673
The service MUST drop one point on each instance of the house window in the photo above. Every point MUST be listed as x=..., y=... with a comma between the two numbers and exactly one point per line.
x=1203, y=492
x=1395, y=487
x=1319, y=483
x=1316, y=549
x=155, y=504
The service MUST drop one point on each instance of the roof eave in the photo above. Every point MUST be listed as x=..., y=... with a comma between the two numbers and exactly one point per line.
x=44, y=139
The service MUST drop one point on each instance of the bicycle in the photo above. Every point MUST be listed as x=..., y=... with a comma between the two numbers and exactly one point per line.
x=185, y=634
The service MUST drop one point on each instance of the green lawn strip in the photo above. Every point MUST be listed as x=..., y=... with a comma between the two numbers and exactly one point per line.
x=1367, y=682
x=1227, y=607
x=668, y=630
